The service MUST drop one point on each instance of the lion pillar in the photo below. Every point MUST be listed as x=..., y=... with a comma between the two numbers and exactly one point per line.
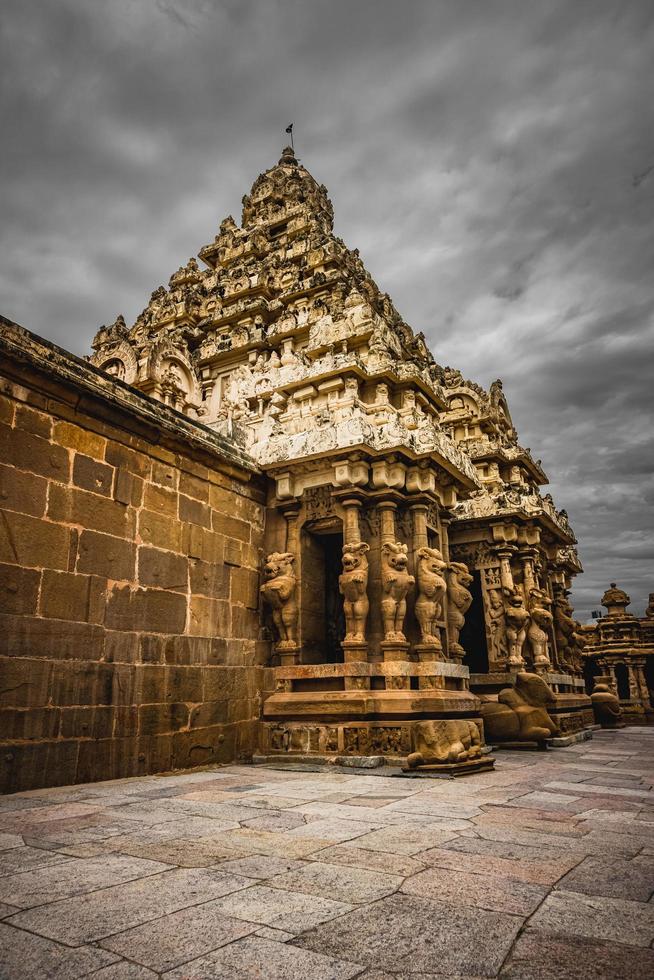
x=353, y=586
x=279, y=590
x=431, y=587
x=395, y=583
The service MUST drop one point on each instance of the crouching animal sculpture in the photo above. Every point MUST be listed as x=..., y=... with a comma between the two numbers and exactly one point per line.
x=278, y=591
x=444, y=742
x=520, y=712
x=606, y=707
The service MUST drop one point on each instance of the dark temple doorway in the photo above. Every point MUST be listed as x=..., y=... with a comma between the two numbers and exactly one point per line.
x=622, y=680
x=473, y=635
x=323, y=620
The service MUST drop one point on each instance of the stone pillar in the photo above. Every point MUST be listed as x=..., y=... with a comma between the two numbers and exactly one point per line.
x=528, y=573
x=642, y=683
x=506, y=576
x=354, y=588
x=430, y=569
x=351, y=523
x=290, y=650
x=634, y=687
x=386, y=509
x=394, y=646
x=539, y=628
x=419, y=526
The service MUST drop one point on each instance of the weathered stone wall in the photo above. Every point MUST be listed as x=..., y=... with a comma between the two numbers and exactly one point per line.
x=130, y=542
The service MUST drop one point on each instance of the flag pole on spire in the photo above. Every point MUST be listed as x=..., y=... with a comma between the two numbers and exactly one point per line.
x=289, y=130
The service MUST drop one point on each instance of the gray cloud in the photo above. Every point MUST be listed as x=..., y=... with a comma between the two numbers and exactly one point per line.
x=491, y=160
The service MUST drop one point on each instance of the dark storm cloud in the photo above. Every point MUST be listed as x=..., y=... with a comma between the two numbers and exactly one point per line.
x=493, y=162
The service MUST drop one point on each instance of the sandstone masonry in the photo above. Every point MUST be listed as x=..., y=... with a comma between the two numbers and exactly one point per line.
x=130, y=542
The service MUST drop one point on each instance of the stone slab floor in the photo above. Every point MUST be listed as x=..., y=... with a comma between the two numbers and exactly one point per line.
x=541, y=869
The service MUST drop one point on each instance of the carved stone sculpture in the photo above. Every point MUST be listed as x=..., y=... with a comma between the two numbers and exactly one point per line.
x=540, y=623
x=459, y=600
x=441, y=742
x=649, y=612
x=278, y=591
x=520, y=712
x=353, y=585
x=606, y=707
x=432, y=588
x=395, y=582
x=517, y=619
x=496, y=627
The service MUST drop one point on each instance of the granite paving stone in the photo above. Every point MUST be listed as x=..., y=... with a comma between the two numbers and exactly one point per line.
x=404, y=932
x=27, y=858
x=575, y=914
x=481, y=891
x=86, y=918
x=286, y=910
x=124, y=971
x=31, y=888
x=537, y=872
x=542, y=956
x=404, y=840
x=333, y=829
x=358, y=857
x=268, y=932
x=174, y=939
x=351, y=885
x=259, y=957
x=543, y=868
x=612, y=878
x=260, y=865
x=25, y=955
x=10, y=841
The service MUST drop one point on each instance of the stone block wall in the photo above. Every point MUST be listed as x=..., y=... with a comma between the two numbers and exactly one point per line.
x=130, y=543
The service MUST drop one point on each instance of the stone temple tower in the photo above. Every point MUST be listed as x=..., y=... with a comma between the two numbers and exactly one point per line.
x=285, y=345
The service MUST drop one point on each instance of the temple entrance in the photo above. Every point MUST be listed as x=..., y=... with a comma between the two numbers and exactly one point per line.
x=622, y=680
x=323, y=621
x=473, y=634
x=649, y=676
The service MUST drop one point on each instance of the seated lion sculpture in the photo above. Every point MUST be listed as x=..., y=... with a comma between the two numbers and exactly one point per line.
x=606, y=707
x=520, y=712
x=443, y=742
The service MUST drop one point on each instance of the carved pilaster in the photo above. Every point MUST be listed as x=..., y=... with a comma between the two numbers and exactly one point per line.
x=353, y=585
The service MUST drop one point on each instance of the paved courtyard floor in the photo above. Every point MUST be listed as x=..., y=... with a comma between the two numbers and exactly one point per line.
x=541, y=869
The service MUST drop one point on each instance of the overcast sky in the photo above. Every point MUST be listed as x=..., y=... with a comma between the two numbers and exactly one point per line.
x=493, y=161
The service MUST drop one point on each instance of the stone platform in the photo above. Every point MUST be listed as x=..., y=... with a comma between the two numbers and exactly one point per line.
x=540, y=870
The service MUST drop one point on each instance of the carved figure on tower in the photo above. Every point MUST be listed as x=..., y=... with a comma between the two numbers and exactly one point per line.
x=540, y=623
x=396, y=582
x=459, y=600
x=496, y=627
x=432, y=588
x=353, y=586
x=278, y=592
x=517, y=620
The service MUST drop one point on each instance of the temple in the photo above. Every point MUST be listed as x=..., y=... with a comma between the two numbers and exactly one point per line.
x=619, y=654
x=262, y=522
x=409, y=547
